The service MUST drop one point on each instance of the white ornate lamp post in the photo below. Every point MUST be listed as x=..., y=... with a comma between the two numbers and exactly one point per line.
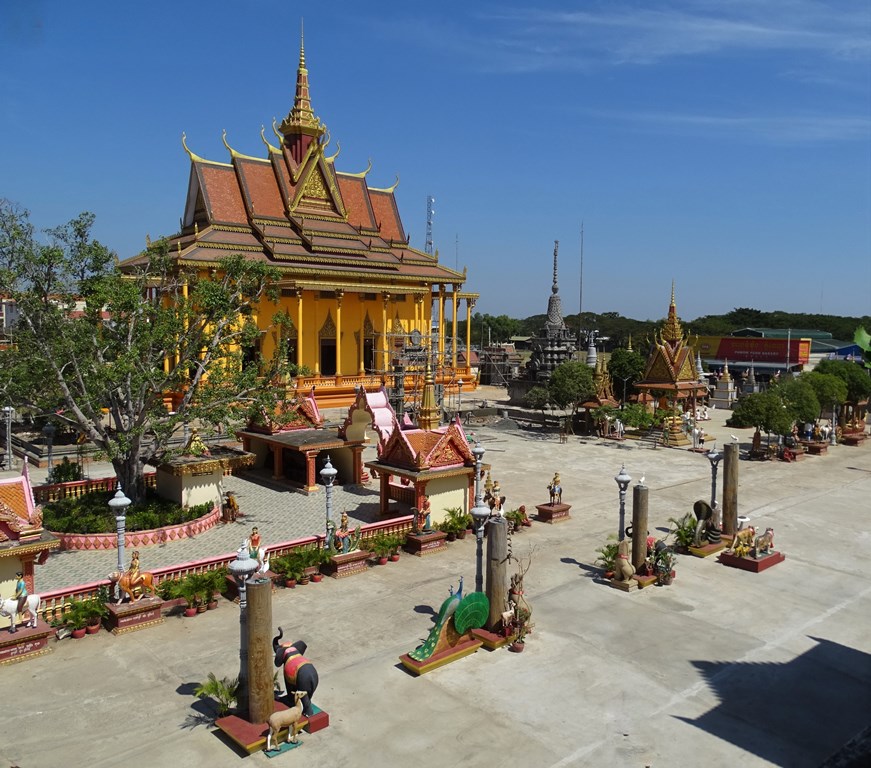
x=328, y=475
x=622, y=479
x=242, y=568
x=833, y=438
x=480, y=513
x=118, y=504
x=460, y=398
x=714, y=458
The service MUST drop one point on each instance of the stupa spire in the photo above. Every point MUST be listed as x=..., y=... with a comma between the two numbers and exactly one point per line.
x=301, y=118
x=428, y=418
x=672, y=332
x=554, y=303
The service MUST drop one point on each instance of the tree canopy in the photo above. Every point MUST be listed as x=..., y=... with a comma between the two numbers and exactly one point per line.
x=97, y=350
x=625, y=368
x=571, y=384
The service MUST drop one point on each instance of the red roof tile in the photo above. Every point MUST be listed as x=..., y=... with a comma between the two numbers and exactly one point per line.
x=259, y=183
x=387, y=215
x=221, y=192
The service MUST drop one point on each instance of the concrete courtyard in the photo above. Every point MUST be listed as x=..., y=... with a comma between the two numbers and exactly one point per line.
x=722, y=668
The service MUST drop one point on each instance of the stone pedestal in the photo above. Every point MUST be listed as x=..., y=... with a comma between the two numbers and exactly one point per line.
x=465, y=647
x=707, y=550
x=624, y=586
x=128, y=617
x=340, y=566
x=421, y=544
x=26, y=643
x=553, y=513
x=752, y=564
x=252, y=736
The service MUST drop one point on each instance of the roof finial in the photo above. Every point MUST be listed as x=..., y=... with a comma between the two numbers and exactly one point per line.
x=302, y=43
x=555, y=288
x=301, y=118
x=672, y=293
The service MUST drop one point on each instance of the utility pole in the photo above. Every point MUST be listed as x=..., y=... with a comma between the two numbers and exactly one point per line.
x=430, y=212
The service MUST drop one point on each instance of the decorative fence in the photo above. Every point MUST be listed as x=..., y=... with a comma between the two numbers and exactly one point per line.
x=58, y=491
x=55, y=602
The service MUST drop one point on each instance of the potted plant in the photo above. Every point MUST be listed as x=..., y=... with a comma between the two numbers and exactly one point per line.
x=380, y=545
x=192, y=589
x=664, y=567
x=684, y=530
x=397, y=541
x=217, y=582
x=311, y=559
x=96, y=611
x=607, y=557
x=521, y=630
x=76, y=618
x=517, y=519
x=460, y=521
x=289, y=567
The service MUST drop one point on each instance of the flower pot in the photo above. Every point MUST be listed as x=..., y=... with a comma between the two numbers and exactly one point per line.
x=452, y=536
x=190, y=611
x=92, y=629
x=316, y=577
x=211, y=605
x=79, y=633
x=290, y=583
x=394, y=558
x=305, y=580
x=382, y=561
x=609, y=574
x=201, y=608
x=517, y=646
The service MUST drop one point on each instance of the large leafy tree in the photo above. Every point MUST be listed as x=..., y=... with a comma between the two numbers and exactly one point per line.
x=625, y=368
x=765, y=411
x=855, y=376
x=827, y=387
x=799, y=398
x=571, y=384
x=91, y=339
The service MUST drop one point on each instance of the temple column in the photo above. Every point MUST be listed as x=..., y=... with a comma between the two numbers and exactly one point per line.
x=277, y=462
x=385, y=360
x=339, y=294
x=317, y=337
x=454, y=329
x=417, y=307
x=311, y=482
x=357, y=464
x=385, y=492
x=470, y=305
x=441, y=355
x=299, y=328
x=361, y=364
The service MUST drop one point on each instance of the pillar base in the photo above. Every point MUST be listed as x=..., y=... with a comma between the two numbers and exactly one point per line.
x=421, y=544
x=129, y=617
x=751, y=563
x=252, y=736
x=553, y=513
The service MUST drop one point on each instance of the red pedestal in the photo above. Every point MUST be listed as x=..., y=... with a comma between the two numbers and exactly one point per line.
x=421, y=544
x=751, y=563
x=25, y=643
x=461, y=649
x=553, y=513
x=340, y=566
x=252, y=736
x=128, y=617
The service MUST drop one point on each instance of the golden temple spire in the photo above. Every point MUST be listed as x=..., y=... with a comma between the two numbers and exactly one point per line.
x=301, y=118
x=672, y=332
x=428, y=419
x=629, y=348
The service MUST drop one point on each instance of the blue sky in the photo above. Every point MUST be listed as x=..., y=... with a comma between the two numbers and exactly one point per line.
x=725, y=146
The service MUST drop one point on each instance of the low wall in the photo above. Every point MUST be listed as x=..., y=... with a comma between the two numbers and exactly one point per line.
x=98, y=541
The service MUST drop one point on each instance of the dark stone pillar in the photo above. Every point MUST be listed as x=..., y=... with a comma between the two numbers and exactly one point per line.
x=385, y=491
x=497, y=571
x=730, y=489
x=639, y=526
x=260, y=657
x=277, y=462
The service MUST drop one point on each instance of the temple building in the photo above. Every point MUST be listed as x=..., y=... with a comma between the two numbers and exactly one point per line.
x=671, y=376
x=353, y=292
x=553, y=346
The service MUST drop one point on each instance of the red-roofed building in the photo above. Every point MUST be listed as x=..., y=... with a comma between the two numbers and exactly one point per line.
x=352, y=287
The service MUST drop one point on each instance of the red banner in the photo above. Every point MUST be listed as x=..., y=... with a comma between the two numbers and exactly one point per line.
x=746, y=349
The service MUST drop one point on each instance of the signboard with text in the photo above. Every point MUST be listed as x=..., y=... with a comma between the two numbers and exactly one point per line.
x=746, y=349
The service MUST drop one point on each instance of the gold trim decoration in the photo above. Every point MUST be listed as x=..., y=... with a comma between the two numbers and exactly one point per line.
x=196, y=158
x=362, y=174
x=238, y=155
x=332, y=158
x=273, y=150
x=277, y=134
x=390, y=190
x=328, y=329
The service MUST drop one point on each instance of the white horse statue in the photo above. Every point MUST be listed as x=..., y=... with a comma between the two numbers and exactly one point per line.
x=9, y=609
x=263, y=560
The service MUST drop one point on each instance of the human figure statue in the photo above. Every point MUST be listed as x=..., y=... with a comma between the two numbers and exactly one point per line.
x=255, y=550
x=196, y=446
x=422, y=523
x=555, y=489
x=134, y=573
x=20, y=594
x=619, y=428
x=343, y=534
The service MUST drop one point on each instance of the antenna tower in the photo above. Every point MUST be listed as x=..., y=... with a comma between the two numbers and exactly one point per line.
x=429, y=214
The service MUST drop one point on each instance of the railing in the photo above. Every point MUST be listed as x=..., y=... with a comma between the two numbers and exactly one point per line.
x=56, y=602
x=58, y=491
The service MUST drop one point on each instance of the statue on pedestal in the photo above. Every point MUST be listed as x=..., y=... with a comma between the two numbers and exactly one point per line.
x=556, y=490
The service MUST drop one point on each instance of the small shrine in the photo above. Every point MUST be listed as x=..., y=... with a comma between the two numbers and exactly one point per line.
x=23, y=544
x=194, y=476
x=290, y=442
x=725, y=394
x=433, y=464
x=604, y=394
x=554, y=345
x=671, y=377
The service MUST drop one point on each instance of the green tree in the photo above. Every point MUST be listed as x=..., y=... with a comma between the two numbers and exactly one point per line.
x=625, y=368
x=90, y=337
x=828, y=388
x=799, y=398
x=855, y=376
x=570, y=385
x=537, y=398
x=765, y=411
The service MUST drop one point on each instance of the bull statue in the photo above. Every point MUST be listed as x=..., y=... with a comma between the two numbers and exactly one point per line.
x=9, y=610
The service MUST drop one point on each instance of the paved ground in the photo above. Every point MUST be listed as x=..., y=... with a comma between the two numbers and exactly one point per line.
x=722, y=668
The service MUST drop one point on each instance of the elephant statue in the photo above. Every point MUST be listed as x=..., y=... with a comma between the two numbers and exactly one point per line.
x=299, y=673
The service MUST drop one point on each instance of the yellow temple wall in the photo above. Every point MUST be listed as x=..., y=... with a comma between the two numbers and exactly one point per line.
x=447, y=492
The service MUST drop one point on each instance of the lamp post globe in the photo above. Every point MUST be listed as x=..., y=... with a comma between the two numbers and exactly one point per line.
x=118, y=504
x=622, y=479
x=328, y=475
x=714, y=457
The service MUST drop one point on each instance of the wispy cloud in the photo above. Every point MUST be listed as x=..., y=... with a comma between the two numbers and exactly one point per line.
x=793, y=129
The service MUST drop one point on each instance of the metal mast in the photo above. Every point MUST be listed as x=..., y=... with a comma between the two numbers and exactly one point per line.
x=429, y=214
